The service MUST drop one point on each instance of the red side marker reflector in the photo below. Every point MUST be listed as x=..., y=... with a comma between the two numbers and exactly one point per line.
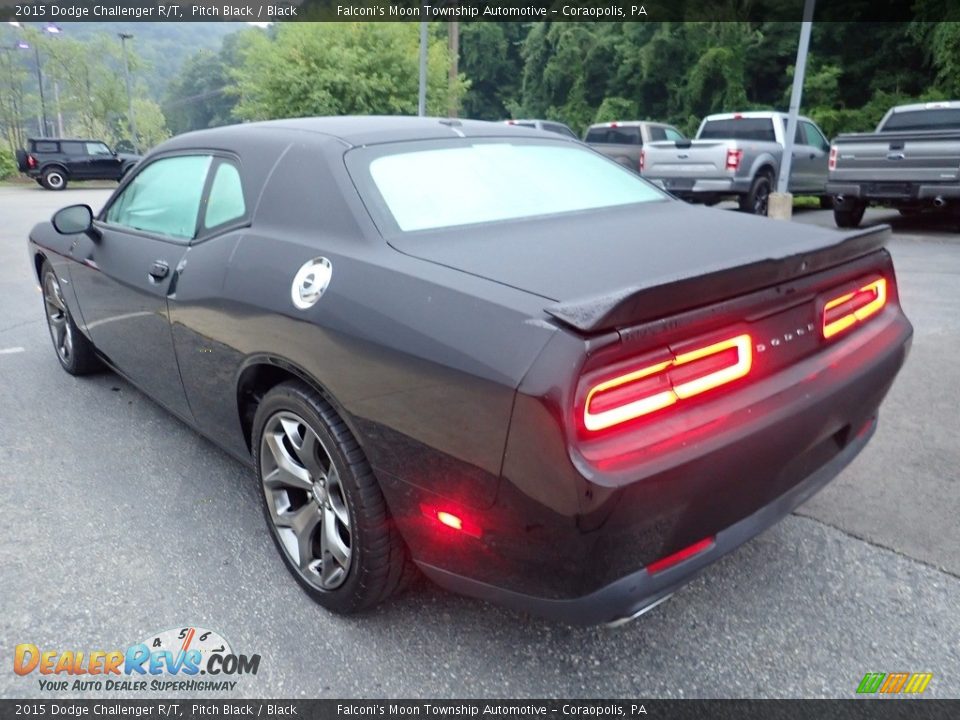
x=678, y=557
x=657, y=386
x=452, y=521
x=853, y=307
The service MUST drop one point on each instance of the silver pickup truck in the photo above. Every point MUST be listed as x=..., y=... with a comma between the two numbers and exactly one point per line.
x=911, y=162
x=738, y=155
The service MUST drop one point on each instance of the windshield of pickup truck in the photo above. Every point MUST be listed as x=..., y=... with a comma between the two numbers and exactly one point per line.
x=933, y=119
x=436, y=185
x=738, y=129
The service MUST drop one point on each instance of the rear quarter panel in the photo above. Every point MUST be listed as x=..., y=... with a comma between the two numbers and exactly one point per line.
x=421, y=360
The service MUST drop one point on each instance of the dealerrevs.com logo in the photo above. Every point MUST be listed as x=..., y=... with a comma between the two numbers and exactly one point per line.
x=185, y=659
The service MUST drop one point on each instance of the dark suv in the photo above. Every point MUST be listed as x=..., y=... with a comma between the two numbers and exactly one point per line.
x=54, y=161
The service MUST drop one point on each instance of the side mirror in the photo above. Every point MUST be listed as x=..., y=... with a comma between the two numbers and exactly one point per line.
x=73, y=219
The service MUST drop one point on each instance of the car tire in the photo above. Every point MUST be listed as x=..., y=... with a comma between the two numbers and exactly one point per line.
x=826, y=202
x=326, y=513
x=54, y=179
x=755, y=201
x=849, y=214
x=74, y=351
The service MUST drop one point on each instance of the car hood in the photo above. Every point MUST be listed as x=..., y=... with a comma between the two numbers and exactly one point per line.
x=588, y=263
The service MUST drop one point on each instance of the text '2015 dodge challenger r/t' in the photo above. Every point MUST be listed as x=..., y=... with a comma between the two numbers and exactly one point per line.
x=484, y=351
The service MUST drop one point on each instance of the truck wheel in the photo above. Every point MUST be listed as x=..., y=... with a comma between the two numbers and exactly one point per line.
x=849, y=214
x=756, y=200
x=826, y=202
x=54, y=179
x=322, y=503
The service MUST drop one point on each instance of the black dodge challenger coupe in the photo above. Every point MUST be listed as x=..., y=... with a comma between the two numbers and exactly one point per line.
x=480, y=350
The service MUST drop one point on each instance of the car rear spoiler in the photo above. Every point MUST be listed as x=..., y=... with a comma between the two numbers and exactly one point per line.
x=650, y=302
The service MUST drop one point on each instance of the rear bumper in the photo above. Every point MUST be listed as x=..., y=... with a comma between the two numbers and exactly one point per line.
x=578, y=521
x=693, y=187
x=633, y=594
x=878, y=191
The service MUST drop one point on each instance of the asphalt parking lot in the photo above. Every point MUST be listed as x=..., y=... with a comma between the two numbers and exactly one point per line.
x=119, y=522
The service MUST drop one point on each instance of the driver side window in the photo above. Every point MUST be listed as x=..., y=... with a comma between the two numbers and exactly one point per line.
x=164, y=197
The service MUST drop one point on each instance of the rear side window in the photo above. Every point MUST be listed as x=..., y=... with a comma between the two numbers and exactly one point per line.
x=72, y=148
x=45, y=146
x=225, y=202
x=481, y=182
x=934, y=119
x=739, y=129
x=657, y=133
x=673, y=134
x=164, y=197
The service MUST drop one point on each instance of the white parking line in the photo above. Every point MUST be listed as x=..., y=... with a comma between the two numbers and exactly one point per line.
x=11, y=351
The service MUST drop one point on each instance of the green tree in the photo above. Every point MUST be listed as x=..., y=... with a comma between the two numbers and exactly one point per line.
x=306, y=69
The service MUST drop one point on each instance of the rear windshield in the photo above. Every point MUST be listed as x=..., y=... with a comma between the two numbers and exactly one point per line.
x=935, y=119
x=614, y=136
x=427, y=185
x=738, y=129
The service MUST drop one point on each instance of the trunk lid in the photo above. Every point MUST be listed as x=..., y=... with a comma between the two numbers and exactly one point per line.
x=599, y=270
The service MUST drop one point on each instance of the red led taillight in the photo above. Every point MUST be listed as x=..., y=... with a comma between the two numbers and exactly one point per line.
x=678, y=557
x=673, y=378
x=832, y=162
x=853, y=307
x=733, y=159
x=643, y=160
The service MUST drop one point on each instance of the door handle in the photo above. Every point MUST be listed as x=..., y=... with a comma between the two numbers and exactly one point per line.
x=159, y=270
x=813, y=155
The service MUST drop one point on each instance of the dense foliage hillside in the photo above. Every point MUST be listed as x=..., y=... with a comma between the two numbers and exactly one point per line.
x=195, y=75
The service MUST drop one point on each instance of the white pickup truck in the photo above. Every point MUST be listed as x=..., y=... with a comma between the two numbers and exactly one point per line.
x=738, y=155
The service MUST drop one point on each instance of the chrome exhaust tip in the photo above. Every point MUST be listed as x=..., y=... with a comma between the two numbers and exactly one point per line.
x=642, y=611
x=939, y=202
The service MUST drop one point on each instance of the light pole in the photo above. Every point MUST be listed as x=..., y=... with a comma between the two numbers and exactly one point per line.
x=781, y=202
x=422, y=94
x=126, y=71
x=42, y=120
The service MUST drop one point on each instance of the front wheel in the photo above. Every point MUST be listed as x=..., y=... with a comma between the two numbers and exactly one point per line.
x=74, y=351
x=849, y=214
x=757, y=199
x=322, y=503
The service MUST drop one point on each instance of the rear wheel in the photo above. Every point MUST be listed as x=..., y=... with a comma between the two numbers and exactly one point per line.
x=74, y=351
x=54, y=179
x=757, y=199
x=322, y=503
x=826, y=202
x=849, y=214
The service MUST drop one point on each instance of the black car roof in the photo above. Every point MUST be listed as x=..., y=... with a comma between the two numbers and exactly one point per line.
x=358, y=130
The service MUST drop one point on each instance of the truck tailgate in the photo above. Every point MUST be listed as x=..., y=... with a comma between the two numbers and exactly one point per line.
x=931, y=157
x=693, y=159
